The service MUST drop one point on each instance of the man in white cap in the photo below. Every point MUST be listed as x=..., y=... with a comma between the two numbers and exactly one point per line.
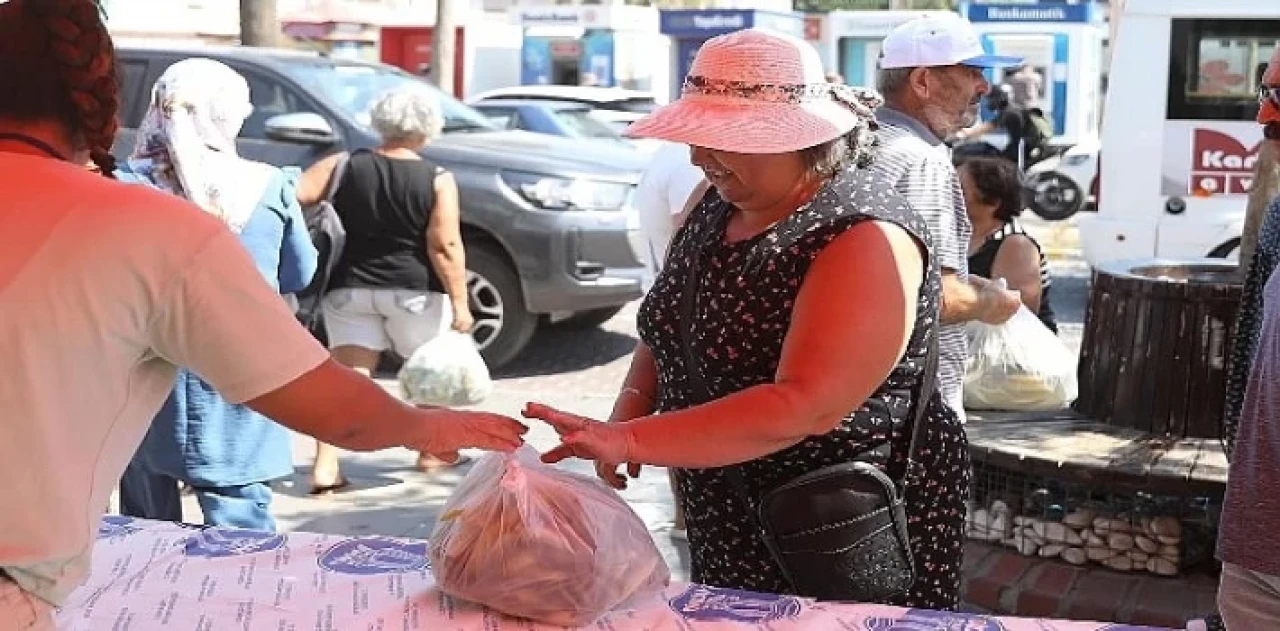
x=931, y=79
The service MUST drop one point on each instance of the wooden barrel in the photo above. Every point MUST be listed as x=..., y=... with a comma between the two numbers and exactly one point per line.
x=1157, y=335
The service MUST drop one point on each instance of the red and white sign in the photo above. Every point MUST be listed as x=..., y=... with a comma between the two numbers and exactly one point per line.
x=1220, y=164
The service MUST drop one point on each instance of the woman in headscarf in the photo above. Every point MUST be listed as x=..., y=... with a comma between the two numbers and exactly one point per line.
x=788, y=331
x=227, y=453
x=106, y=289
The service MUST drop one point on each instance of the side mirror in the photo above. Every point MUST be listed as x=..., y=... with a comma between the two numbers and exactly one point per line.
x=306, y=128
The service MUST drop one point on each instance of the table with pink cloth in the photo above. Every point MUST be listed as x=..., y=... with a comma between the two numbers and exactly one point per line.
x=159, y=575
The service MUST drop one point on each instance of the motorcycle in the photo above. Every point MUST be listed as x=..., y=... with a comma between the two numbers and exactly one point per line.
x=1056, y=184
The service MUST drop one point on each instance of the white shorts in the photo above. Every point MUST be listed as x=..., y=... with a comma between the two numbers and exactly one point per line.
x=382, y=319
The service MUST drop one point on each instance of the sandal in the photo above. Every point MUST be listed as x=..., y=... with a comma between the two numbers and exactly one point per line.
x=329, y=489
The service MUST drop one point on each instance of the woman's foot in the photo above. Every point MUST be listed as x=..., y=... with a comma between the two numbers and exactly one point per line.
x=428, y=463
x=328, y=485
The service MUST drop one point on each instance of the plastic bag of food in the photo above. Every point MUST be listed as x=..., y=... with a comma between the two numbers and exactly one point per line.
x=1018, y=366
x=532, y=541
x=446, y=371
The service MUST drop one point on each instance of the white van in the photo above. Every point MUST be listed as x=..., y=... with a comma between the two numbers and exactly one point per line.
x=1178, y=133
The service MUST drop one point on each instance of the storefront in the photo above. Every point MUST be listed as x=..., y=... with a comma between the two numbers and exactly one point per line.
x=335, y=28
x=850, y=43
x=690, y=28
x=597, y=45
x=1063, y=43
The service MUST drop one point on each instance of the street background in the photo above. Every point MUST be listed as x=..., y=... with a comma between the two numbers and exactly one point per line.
x=578, y=371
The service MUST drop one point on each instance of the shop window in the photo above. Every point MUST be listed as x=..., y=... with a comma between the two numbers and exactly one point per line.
x=1215, y=67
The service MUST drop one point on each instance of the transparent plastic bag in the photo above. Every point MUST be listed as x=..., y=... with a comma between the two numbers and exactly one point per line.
x=1018, y=366
x=446, y=371
x=532, y=541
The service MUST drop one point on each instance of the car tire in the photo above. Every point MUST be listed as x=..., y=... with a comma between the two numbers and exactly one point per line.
x=584, y=320
x=503, y=326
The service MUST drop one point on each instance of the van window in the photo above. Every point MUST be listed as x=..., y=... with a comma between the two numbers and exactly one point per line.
x=1215, y=66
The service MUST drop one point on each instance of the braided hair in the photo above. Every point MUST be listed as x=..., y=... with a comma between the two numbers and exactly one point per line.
x=57, y=62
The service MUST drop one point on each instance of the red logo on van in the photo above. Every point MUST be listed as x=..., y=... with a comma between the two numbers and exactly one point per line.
x=1220, y=164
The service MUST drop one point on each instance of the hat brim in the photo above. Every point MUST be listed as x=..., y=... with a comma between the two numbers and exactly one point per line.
x=740, y=126
x=991, y=61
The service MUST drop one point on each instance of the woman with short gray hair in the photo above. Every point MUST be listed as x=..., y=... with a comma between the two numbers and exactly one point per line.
x=401, y=279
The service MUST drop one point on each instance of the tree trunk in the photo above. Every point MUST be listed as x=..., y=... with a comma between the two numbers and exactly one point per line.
x=1266, y=187
x=259, y=25
x=442, y=46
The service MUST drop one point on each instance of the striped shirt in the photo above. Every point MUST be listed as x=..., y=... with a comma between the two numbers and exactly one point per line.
x=919, y=165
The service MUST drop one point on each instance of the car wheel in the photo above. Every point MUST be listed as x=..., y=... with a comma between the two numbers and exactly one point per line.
x=589, y=319
x=503, y=327
x=1054, y=197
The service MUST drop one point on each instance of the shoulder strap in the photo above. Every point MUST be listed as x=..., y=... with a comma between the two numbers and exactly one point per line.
x=687, y=313
x=335, y=178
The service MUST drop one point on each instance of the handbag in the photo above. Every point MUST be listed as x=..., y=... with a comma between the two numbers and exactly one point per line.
x=329, y=237
x=838, y=533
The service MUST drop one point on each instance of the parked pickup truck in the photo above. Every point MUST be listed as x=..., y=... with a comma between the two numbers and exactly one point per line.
x=548, y=224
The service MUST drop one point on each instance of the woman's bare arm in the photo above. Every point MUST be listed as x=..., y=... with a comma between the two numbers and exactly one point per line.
x=314, y=182
x=1018, y=263
x=444, y=242
x=847, y=333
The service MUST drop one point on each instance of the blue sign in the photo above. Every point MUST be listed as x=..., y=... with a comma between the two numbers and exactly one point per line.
x=366, y=556
x=230, y=542
x=1041, y=12
x=597, y=56
x=704, y=603
x=708, y=23
x=535, y=61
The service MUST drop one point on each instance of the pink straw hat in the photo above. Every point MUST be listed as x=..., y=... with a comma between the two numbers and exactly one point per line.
x=754, y=91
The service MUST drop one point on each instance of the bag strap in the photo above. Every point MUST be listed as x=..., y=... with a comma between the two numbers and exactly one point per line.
x=687, y=313
x=335, y=177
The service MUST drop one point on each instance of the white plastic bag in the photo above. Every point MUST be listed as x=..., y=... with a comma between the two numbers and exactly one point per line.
x=1018, y=366
x=446, y=371
x=530, y=540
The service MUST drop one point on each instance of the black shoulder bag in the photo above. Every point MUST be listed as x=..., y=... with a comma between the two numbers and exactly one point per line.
x=838, y=533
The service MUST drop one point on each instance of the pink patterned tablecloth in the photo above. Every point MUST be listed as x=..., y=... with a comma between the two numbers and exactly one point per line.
x=158, y=575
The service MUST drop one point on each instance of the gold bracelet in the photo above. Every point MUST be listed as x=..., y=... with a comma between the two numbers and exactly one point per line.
x=636, y=391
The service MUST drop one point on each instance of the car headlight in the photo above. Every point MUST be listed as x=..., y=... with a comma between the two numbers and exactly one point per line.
x=557, y=193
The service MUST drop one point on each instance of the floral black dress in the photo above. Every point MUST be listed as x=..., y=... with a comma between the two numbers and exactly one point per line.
x=743, y=310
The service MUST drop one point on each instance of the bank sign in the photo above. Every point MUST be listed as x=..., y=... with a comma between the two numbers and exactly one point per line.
x=710, y=23
x=1038, y=12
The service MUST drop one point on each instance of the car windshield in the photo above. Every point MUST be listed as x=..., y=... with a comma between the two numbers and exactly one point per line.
x=581, y=124
x=355, y=88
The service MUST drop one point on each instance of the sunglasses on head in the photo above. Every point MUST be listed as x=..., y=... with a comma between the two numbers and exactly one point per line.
x=1269, y=93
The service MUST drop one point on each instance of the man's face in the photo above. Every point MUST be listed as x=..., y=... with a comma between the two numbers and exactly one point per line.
x=1269, y=97
x=951, y=98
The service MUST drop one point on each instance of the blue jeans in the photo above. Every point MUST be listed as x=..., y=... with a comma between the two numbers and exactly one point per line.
x=156, y=496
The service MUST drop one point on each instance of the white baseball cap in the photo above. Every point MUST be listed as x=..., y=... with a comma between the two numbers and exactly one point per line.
x=938, y=39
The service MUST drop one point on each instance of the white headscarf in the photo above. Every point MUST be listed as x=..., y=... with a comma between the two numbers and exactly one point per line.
x=186, y=144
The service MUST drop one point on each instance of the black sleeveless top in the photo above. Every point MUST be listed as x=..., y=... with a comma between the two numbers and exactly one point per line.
x=980, y=264
x=747, y=290
x=385, y=204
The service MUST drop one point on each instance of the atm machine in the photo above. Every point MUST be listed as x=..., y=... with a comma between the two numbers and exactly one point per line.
x=1064, y=44
x=850, y=41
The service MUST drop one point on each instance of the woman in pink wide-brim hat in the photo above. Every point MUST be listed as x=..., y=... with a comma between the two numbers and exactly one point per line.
x=789, y=328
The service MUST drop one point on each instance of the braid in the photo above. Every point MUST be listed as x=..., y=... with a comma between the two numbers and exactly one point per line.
x=82, y=58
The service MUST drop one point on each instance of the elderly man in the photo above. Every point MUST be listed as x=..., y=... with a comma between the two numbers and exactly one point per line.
x=1249, y=596
x=931, y=78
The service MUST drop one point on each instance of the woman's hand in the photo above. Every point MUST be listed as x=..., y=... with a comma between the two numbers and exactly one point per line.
x=580, y=437
x=447, y=431
x=463, y=321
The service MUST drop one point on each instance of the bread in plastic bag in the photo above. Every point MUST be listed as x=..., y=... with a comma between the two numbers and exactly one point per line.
x=529, y=540
x=447, y=371
x=1018, y=366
